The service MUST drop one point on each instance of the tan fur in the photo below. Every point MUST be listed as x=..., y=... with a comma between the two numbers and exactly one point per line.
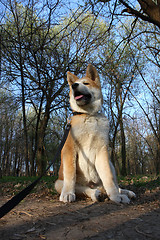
x=84, y=158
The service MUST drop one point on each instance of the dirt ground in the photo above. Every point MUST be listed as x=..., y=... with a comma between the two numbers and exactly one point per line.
x=47, y=218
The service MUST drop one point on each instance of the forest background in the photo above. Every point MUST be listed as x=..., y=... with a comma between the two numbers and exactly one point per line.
x=40, y=41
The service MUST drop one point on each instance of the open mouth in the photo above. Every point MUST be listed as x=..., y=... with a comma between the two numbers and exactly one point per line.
x=80, y=96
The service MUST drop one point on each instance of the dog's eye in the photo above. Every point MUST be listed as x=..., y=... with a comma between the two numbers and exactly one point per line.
x=86, y=83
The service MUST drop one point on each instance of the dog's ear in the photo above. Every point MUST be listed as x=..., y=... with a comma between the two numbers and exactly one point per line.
x=93, y=74
x=71, y=78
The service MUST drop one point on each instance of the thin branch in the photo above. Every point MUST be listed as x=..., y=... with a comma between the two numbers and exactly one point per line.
x=149, y=120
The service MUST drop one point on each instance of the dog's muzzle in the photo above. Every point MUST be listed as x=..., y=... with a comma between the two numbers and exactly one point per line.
x=82, y=96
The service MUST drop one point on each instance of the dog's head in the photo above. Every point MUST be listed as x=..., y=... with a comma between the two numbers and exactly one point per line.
x=85, y=93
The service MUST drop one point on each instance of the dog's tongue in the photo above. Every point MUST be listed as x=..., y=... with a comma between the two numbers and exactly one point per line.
x=79, y=97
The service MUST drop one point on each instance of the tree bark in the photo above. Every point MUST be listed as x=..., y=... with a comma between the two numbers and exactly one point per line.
x=41, y=160
x=24, y=117
x=123, y=149
x=158, y=149
x=151, y=8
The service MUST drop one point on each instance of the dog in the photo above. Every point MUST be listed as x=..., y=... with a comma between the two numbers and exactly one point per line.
x=85, y=166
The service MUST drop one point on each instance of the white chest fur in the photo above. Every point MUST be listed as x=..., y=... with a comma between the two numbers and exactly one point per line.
x=90, y=134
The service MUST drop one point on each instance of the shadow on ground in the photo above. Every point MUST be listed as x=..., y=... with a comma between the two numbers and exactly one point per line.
x=49, y=219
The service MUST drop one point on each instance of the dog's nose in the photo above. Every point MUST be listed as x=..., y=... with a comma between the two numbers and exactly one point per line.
x=75, y=85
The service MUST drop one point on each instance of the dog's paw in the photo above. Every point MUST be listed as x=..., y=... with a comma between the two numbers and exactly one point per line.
x=120, y=198
x=95, y=195
x=131, y=194
x=67, y=197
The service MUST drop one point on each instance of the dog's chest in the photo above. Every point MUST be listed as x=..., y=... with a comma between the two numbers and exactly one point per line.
x=90, y=131
x=90, y=134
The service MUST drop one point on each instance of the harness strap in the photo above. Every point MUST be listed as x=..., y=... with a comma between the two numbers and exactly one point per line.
x=8, y=206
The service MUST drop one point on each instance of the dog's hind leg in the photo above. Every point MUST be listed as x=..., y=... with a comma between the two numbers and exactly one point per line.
x=58, y=186
x=94, y=193
x=129, y=193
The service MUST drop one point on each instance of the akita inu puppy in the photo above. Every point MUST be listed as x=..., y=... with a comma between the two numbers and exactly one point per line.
x=85, y=165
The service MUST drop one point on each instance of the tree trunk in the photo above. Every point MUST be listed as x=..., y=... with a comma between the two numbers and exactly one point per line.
x=123, y=149
x=151, y=9
x=158, y=159
x=32, y=156
x=0, y=151
x=23, y=107
x=25, y=125
x=158, y=147
x=41, y=160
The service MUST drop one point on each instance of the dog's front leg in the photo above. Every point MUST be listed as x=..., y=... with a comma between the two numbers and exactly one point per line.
x=69, y=175
x=105, y=173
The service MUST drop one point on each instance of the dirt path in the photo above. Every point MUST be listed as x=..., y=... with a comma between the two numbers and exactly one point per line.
x=47, y=218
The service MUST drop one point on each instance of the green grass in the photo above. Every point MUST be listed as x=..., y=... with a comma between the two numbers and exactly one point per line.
x=145, y=181
x=16, y=179
x=12, y=185
x=24, y=179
